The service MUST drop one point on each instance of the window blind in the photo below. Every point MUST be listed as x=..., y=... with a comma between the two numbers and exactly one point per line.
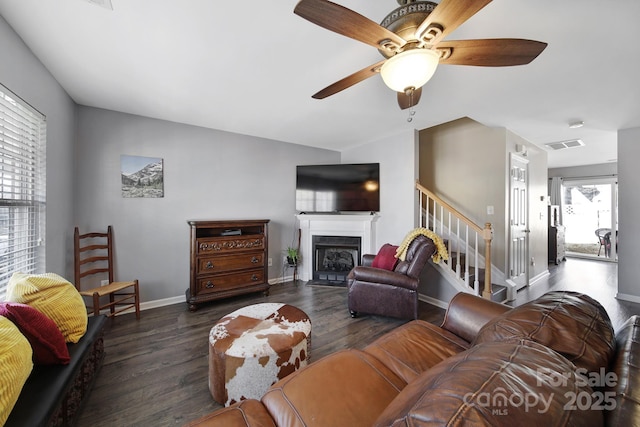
x=22, y=188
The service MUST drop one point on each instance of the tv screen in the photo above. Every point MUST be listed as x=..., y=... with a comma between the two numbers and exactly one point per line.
x=338, y=188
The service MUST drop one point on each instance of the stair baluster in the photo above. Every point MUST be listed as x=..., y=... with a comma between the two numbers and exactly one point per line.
x=430, y=206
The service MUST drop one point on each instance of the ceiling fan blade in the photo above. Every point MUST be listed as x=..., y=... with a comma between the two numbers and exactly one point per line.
x=344, y=21
x=491, y=52
x=349, y=81
x=449, y=15
x=407, y=100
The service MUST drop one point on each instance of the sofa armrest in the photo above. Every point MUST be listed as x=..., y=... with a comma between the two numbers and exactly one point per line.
x=626, y=384
x=468, y=313
x=382, y=276
x=53, y=394
x=367, y=260
x=246, y=413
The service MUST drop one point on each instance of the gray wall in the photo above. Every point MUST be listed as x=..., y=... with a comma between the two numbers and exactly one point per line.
x=27, y=77
x=452, y=157
x=208, y=174
x=628, y=208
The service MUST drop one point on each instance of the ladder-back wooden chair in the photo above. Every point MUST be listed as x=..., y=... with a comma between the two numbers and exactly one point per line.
x=93, y=253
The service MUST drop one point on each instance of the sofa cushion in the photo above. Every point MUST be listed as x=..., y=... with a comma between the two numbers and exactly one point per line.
x=386, y=257
x=47, y=342
x=248, y=412
x=573, y=324
x=509, y=383
x=415, y=347
x=15, y=365
x=54, y=296
x=349, y=388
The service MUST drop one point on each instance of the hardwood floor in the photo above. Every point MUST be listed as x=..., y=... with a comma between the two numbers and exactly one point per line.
x=598, y=279
x=156, y=369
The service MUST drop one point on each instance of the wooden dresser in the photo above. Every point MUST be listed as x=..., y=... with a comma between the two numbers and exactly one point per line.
x=227, y=258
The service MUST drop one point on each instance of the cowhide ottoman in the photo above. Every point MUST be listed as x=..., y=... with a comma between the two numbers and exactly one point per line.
x=255, y=346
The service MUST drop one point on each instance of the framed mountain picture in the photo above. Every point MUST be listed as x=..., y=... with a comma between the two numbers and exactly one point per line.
x=142, y=176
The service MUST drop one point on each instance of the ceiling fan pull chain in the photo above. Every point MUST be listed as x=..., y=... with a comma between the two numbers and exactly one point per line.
x=412, y=111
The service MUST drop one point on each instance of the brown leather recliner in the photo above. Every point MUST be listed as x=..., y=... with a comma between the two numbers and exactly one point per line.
x=389, y=293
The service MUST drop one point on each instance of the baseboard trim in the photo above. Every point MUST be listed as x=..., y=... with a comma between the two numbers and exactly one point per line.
x=162, y=302
x=279, y=280
x=628, y=297
x=540, y=276
x=433, y=301
x=181, y=298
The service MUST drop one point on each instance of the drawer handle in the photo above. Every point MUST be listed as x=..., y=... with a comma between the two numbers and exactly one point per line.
x=209, y=284
x=254, y=277
x=209, y=265
x=255, y=260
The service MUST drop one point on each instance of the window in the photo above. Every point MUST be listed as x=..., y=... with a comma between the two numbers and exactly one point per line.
x=590, y=215
x=22, y=188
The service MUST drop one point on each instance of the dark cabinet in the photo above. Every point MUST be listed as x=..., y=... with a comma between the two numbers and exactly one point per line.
x=556, y=244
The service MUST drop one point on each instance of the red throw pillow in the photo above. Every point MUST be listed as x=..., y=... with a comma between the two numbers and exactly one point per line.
x=386, y=257
x=48, y=343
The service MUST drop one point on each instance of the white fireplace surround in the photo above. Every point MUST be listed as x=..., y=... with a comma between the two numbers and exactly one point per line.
x=355, y=225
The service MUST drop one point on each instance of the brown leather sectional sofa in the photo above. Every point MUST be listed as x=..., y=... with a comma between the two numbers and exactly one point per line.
x=555, y=361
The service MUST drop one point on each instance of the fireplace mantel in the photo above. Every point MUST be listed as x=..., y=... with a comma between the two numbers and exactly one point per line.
x=357, y=225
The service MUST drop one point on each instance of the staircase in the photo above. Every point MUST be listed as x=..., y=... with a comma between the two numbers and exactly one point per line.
x=498, y=292
x=468, y=245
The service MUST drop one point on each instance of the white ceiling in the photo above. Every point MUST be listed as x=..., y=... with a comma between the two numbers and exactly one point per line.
x=251, y=67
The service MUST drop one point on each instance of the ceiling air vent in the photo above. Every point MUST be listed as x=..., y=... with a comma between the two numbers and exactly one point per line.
x=572, y=143
x=102, y=3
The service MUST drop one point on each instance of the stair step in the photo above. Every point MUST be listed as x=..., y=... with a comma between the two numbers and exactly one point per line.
x=498, y=293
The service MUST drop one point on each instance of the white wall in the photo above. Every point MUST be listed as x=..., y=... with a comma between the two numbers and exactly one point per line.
x=398, y=172
x=628, y=208
x=23, y=74
x=208, y=174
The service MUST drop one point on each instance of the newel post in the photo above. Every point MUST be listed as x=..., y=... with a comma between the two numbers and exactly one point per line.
x=487, y=235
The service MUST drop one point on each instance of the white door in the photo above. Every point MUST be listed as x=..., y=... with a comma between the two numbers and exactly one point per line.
x=519, y=222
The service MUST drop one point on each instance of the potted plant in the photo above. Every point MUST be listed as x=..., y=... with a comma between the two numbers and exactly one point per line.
x=292, y=255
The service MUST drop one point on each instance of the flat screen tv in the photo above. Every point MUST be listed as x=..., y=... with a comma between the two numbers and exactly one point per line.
x=338, y=188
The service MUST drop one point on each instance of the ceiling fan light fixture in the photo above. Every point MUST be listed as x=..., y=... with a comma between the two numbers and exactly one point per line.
x=410, y=69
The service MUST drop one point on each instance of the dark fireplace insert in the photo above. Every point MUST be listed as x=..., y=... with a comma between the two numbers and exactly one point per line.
x=334, y=257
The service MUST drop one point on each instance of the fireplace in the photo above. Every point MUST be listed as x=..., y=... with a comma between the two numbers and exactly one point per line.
x=346, y=225
x=334, y=257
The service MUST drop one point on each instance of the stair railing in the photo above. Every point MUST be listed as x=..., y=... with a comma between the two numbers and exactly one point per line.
x=462, y=236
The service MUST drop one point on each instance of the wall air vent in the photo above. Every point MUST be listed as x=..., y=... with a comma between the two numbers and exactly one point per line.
x=572, y=143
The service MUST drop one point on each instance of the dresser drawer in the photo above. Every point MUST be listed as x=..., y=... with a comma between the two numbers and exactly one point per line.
x=230, y=244
x=221, y=263
x=220, y=282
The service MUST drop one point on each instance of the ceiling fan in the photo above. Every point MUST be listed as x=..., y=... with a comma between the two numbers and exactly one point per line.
x=411, y=40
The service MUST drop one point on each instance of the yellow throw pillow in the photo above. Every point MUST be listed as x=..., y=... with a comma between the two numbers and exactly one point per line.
x=15, y=366
x=55, y=297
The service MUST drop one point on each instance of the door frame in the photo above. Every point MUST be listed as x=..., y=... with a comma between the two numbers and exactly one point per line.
x=611, y=180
